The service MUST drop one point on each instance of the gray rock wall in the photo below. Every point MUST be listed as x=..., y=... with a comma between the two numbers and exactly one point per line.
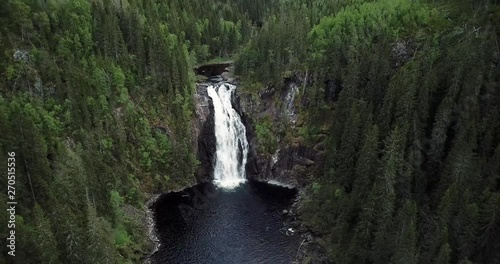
x=295, y=162
x=204, y=133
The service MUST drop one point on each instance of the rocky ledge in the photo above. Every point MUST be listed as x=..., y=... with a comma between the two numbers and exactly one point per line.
x=310, y=249
x=292, y=165
x=295, y=161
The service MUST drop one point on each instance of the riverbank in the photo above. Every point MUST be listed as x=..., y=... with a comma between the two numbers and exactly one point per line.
x=310, y=249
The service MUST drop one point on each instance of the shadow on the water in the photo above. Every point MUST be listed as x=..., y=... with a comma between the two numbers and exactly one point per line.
x=207, y=224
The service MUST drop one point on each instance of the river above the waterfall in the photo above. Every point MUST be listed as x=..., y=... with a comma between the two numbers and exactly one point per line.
x=205, y=224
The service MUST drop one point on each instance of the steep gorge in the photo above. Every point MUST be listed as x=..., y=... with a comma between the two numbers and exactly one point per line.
x=223, y=150
x=293, y=161
x=383, y=114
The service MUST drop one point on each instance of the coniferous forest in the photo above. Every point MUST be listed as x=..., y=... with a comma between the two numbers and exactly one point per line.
x=96, y=101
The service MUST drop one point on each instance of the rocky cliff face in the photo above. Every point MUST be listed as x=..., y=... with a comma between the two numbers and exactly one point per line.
x=204, y=133
x=294, y=161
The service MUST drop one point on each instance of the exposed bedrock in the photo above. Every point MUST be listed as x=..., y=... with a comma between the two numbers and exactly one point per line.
x=204, y=133
x=294, y=162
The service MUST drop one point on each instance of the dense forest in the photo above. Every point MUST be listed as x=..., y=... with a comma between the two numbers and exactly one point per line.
x=409, y=94
x=96, y=100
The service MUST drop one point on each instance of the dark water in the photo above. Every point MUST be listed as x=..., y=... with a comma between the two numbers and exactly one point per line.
x=207, y=225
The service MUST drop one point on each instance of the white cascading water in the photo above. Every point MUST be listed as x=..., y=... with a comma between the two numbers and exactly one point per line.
x=230, y=134
x=289, y=101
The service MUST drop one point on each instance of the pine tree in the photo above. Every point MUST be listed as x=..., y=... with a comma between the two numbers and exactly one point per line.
x=406, y=250
x=489, y=219
x=366, y=167
x=443, y=256
x=385, y=194
x=44, y=239
x=345, y=156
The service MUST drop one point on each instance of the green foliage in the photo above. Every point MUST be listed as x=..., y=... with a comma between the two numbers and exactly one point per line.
x=266, y=137
x=409, y=93
x=122, y=238
x=279, y=47
x=44, y=238
x=96, y=101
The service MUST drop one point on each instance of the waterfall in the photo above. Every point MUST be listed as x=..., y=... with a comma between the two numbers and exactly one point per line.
x=289, y=101
x=230, y=134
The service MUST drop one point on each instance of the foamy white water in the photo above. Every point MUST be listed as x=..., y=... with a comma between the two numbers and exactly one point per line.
x=230, y=134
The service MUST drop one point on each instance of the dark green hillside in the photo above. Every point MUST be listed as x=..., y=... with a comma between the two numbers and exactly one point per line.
x=96, y=101
x=409, y=94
